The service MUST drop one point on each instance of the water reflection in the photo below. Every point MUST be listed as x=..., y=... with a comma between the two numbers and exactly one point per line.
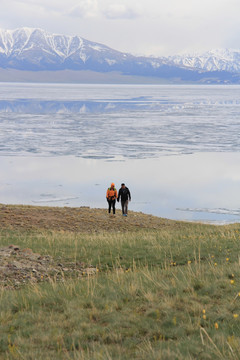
x=187, y=187
x=146, y=103
x=108, y=121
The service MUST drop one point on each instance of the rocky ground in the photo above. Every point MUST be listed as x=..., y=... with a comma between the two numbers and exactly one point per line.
x=19, y=266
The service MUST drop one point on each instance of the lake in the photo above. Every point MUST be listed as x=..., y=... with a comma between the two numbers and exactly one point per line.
x=177, y=148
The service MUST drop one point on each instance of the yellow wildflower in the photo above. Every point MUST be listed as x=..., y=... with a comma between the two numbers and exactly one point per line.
x=235, y=316
x=204, y=311
x=232, y=282
x=216, y=325
x=204, y=317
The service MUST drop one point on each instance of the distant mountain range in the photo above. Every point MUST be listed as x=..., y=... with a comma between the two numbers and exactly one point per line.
x=35, y=50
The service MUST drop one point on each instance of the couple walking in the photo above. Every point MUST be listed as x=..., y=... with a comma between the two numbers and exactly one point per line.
x=123, y=194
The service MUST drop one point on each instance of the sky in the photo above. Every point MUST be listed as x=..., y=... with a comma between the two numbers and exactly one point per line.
x=139, y=27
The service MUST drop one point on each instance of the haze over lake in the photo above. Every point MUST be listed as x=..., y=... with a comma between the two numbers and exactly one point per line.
x=176, y=147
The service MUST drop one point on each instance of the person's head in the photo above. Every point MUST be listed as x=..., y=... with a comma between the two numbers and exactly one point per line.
x=123, y=185
x=112, y=185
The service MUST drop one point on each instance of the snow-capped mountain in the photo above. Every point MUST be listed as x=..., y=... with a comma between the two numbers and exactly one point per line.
x=31, y=49
x=214, y=60
x=36, y=49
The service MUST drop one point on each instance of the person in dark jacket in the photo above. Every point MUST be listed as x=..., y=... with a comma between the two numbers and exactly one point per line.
x=125, y=196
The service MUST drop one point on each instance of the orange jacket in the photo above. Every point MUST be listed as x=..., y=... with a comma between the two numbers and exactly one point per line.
x=111, y=194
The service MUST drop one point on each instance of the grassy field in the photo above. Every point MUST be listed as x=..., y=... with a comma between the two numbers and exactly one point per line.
x=162, y=290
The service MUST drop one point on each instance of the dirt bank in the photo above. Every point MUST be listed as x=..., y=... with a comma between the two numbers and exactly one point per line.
x=81, y=219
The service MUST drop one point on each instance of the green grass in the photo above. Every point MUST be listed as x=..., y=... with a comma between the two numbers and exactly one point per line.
x=170, y=294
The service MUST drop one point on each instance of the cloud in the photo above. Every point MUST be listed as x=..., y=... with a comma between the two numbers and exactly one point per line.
x=103, y=9
x=120, y=11
x=85, y=9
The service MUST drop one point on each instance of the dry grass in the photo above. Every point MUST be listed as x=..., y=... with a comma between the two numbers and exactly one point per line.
x=166, y=291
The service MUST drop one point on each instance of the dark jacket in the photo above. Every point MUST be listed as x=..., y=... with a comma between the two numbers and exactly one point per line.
x=124, y=194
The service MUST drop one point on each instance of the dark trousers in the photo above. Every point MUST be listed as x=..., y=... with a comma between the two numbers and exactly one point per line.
x=124, y=206
x=111, y=203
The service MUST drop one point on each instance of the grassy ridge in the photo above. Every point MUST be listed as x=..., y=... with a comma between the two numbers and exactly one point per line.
x=170, y=293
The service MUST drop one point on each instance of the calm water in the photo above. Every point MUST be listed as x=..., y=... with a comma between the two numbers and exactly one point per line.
x=176, y=147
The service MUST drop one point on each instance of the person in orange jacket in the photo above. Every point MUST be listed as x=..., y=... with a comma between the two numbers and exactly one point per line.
x=111, y=197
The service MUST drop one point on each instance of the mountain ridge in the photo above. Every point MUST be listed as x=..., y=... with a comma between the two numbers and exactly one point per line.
x=212, y=60
x=34, y=49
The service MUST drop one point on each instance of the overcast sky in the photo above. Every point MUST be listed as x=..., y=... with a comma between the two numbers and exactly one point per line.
x=140, y=27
